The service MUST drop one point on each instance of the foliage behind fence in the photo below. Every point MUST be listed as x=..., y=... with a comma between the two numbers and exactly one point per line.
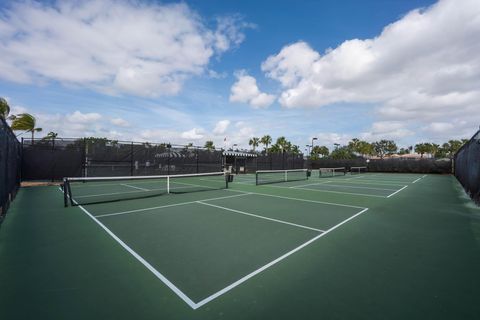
x=387, y=165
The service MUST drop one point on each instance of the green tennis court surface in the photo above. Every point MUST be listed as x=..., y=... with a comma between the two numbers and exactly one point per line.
x=363, y=246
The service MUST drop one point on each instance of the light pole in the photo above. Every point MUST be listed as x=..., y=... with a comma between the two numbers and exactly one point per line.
x=312, y=142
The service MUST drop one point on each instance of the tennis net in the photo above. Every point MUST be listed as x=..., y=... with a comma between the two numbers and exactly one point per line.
x=331, y=172
x=90, y=190
x=275, y=176
x=358, y=170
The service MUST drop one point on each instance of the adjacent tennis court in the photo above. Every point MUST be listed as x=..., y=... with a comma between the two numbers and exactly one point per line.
x=270, y=244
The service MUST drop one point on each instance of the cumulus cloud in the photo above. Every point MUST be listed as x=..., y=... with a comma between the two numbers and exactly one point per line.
x=111, y=46
x=79, y=117
x=120, y=122
x=246, y=90
x=193, y=134
x=425, y=67
x=387, y=130
x=221, y=126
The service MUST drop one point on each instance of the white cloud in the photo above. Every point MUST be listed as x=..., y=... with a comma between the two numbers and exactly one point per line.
x=78, y=117
x=330, y=138
x=424, y=67
x=245, y=90
x=112, y=46
x=194, y=134
x=440, y=127
x=221, y=127
x=392, y=130
x=120, y=122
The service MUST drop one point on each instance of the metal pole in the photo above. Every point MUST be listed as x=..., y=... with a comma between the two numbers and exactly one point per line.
x=54, y=160
x=168, y=159
x=131, y=159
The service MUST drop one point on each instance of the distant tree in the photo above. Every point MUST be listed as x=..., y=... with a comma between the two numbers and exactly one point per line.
x=50, y=136
x=452, y=146
x=320, y=151
x=403, y=151
x=364, y=148
x=342, y=153
x=275, y=148
x=384, y=147
x=254, y=142
x=434, y=149
x=283, y=143
x=266, y=140
x=423, y=148
x=209, y=145
x=25, y=122
x=4, y=108
x=295, y=149
x=354, y=145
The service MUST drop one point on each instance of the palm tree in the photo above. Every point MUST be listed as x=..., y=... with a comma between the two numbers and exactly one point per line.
x=25, y=122
x=4, y=108
x=283, y=143
x=266, y=140
x=50, y=136
x=254, y=142
x=209, y=145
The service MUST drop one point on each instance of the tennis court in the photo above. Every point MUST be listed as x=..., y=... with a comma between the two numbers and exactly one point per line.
x=363, y=246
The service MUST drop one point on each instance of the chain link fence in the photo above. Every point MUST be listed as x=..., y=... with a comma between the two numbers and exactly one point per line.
x=10, y=166
x=53, y=159
x=467, y=167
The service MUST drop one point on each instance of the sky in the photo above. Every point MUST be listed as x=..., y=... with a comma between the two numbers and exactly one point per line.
x=192, y=71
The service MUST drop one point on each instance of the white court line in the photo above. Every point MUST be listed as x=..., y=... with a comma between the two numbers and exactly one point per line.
x=268, y=265
x=299, y=199
x=134, y=187
x=160, y=276
x=341, y=192
x=312, y=184
x=168, y=205
x=419, y=178
x=355, y=187
x=386, y=180
x=368, y=182
x=329, y=191
x=260, y=217
x=396, y=192
x=114, y=193
x=182, y=295
x=353, y=178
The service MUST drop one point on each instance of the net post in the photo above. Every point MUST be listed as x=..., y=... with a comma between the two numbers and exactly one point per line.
x=168, y=184
x=64, y=189
x=256, y=178
x=227, y=179
x=286, y=175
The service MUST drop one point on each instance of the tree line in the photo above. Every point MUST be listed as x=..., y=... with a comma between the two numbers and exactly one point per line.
x=356, y=147
x=383, y=148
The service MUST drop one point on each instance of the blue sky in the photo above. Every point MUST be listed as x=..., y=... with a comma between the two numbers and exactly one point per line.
x=205, y=70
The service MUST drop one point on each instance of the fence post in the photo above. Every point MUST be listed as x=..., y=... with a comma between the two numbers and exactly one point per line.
x=196, y=157
x=84, y=156
x=168, y=159
x=131, y=159
x=54, y=165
